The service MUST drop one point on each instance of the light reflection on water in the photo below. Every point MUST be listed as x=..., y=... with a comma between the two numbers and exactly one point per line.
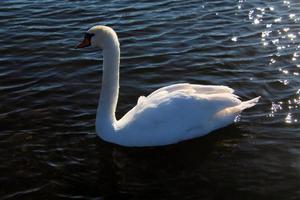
x=281, y=33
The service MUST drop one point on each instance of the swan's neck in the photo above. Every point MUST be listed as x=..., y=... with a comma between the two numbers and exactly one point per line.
x=106, y=119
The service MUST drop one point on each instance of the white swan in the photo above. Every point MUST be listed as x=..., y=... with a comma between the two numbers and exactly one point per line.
x=168, y=115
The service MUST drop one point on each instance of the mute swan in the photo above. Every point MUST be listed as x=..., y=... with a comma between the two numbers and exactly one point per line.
x=168, y=115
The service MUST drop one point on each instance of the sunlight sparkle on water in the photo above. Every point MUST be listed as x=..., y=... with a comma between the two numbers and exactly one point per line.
x=277, y=20
x=295, y=56
x=272, y=61
x=287, y=3
x=289, y=119
x=281, y=47
x=256, y=21
x=284, y=71
x=234, y=39
x=274, y=108
x=250, y=14
x=284, y=82
x=276, y=41
x=291, y=16
x=265, y=33
x=291, y=36
x=240, y=4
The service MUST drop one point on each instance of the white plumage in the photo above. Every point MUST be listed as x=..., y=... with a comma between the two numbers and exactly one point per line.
x=168, y=115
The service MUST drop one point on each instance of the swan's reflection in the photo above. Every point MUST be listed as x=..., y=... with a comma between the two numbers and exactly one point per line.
x=186, y=170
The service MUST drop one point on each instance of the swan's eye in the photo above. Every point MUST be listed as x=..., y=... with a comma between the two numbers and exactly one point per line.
x=88, y=35
x=87, y=40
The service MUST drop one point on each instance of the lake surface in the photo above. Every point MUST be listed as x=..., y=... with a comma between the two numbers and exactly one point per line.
x=49, y=93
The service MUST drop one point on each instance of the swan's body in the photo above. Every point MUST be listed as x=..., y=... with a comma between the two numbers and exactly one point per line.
x=168, y=115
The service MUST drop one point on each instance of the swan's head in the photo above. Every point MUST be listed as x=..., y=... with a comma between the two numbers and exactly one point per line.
x=100, y=37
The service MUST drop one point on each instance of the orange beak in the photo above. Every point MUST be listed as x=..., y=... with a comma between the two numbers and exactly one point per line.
x=85, y=43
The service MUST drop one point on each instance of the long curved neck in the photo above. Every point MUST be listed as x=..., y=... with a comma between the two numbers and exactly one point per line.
x=109, y=90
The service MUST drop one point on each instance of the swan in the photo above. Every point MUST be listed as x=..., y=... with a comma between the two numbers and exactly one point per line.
x=168, y=115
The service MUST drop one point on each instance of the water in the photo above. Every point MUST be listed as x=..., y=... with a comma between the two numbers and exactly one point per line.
x=49, y=93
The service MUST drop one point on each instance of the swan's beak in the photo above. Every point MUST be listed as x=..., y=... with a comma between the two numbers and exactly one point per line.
x=85, y=43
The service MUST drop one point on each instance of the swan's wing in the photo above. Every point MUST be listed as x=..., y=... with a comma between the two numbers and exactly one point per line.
x=186, y=90
x=217, y=101
x=201, y=89
x=165, y=104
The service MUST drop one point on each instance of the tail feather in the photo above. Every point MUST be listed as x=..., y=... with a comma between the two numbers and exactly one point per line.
x=236, y=110
x=248, y=104
x=228, y=115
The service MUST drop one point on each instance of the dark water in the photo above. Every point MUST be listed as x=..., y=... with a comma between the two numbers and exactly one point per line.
x=49, y=93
